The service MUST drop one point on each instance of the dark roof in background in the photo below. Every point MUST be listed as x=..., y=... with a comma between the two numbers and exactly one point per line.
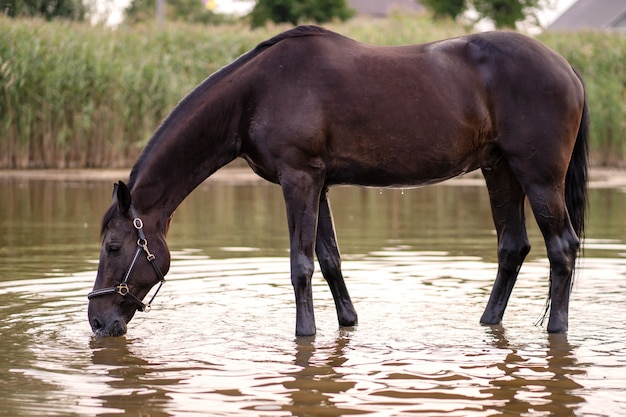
x=383, y=8
x=596, y=14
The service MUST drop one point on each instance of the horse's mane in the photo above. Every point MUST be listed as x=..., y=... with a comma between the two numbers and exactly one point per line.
x=296, y=32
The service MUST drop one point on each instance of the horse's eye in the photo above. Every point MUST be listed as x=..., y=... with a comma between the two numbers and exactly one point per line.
x=114, y=249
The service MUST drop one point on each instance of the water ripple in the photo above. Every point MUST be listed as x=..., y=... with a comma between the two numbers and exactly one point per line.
x=219, y=339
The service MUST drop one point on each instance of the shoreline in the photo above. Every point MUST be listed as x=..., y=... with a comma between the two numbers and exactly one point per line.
x=228, y=175
x=598, y=177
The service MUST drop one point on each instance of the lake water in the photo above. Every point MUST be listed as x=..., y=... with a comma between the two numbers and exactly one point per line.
x=220, y=338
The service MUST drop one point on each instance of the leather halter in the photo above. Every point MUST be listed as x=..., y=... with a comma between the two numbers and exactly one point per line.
x=122, y=288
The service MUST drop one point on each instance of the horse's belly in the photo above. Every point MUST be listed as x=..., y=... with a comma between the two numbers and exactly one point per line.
x=400, y=172
x=408, y=162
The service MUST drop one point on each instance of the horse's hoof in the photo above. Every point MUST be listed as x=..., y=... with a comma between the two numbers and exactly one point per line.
x=305, y=330
x=350, y=321
x=489, y=319
x=557, y=328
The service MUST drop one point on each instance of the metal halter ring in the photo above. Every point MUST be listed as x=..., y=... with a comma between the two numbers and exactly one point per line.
x=122, y=289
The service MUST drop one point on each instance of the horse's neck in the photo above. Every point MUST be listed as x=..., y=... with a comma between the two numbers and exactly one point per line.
x=187, y=149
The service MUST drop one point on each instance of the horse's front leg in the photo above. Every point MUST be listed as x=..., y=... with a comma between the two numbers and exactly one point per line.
x=329, y=259
x=302, y=195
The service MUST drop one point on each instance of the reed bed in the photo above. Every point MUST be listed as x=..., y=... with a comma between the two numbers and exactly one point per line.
x=601, y=59
x=75, y=95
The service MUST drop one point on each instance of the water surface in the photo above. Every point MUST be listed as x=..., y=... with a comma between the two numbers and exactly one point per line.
x=419, y=265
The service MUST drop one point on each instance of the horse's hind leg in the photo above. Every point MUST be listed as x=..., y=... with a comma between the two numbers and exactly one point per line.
x=329, y=259
x=507, y=207
x=548, y=204
x=544, y=185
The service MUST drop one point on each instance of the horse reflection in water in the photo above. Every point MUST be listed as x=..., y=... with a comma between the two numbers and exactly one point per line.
x=309, y=109
x=543, y=383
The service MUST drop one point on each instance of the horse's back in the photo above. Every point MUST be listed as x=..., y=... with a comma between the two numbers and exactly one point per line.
x=340, y=98
x=411, y=114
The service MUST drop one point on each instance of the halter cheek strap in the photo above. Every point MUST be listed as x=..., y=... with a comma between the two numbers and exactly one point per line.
x=122, y=288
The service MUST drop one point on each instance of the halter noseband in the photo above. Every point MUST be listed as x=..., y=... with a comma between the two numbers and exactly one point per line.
x=122, y=288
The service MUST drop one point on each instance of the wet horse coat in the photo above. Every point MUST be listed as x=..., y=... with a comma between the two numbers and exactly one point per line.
x=310, y=109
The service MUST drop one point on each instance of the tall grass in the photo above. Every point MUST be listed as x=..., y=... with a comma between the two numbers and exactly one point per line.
x=601, y=59
x=74, y=95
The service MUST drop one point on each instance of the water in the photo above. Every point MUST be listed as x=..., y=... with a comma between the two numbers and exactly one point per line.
x=219, y=341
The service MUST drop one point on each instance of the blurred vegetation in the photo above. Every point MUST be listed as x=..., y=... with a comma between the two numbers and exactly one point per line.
x=76, y=95
x=601, y=59
x=47, y=9
x=190, y=11
x=295, y=11
x=506, y=13
x=502, y=13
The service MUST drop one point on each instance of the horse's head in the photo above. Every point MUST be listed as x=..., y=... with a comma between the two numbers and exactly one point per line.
x=134, y=257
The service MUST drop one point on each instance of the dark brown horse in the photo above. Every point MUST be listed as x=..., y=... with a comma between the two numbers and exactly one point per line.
x=309, y=109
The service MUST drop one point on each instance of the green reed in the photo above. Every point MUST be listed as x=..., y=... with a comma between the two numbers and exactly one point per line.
x=601, y=59
x=75, y=95
x=72, y=95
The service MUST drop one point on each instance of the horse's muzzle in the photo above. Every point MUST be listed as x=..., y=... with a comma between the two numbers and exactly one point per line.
x=103, y=325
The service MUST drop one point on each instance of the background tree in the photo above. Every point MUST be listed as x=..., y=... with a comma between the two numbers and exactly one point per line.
x=503, y=13
x=322, y=11
x=445, y=8
x=48, y=9
x=506, y=13
x=276, y=11
x=294, y=11
x=177, y=10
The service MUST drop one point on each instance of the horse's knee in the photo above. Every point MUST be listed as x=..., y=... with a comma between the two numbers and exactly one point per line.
x=562, y=254
x=562, y=263
x=301, y=268
x=301, y=274
x=330, y=266
x=302, y=287
x=513, y=253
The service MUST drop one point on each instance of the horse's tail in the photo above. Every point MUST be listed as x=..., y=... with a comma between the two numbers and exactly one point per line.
x=577, y=174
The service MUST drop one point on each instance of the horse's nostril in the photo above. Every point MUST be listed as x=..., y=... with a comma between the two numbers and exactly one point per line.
x=96, y=325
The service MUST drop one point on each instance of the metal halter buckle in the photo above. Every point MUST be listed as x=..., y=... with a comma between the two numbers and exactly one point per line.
x=122, y=289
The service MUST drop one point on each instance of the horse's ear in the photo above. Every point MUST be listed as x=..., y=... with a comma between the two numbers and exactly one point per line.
x=122, y=195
